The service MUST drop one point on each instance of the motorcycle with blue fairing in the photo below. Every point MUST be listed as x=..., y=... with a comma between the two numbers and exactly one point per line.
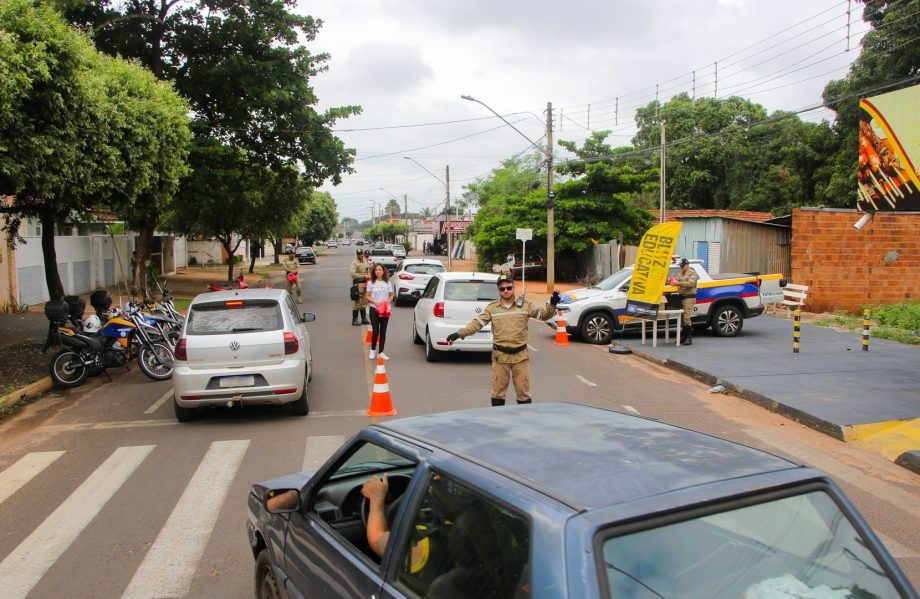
x=89, y=347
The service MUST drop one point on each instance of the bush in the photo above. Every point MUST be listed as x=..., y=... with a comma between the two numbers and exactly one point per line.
x=902, y=316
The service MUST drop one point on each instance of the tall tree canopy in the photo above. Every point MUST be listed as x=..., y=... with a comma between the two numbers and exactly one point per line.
x=246, y=73
x=80, y=130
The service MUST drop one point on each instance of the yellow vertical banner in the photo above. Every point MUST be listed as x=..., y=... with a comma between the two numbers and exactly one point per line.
x=651, y=270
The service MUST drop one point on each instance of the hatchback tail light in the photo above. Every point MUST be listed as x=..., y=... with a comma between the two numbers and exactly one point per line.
x=438, y=310
x=180, y=353
x=406, y=276
x=291, y=345
x=757, y=282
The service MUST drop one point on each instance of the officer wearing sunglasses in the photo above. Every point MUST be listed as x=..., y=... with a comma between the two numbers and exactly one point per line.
x=510, y=358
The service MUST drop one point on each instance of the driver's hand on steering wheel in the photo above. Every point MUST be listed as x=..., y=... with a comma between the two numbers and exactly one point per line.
x=375, y=488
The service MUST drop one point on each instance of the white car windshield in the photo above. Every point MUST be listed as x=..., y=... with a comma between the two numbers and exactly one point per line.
x=614, y=280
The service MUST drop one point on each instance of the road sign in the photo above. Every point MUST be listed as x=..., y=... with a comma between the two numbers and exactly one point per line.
x=524, y=234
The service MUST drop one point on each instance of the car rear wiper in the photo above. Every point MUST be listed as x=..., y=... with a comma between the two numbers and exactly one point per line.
x=246, y=329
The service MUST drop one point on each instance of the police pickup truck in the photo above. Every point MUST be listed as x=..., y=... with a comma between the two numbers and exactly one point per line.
x=723, y=301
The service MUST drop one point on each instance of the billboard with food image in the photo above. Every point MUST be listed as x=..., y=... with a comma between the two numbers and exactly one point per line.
x=889, y=152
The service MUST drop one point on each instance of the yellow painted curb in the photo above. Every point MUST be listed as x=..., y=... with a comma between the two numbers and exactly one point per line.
x=39, y=386
x=890, y=439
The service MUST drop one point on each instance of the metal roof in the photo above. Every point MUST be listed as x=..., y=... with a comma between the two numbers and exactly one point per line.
x=587, y=457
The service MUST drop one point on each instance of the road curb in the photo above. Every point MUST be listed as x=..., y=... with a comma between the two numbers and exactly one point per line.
x=30, y=390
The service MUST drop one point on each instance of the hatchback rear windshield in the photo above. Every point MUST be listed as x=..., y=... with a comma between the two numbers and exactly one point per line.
x=424, y=269
x=471, y=291
x=217, y=319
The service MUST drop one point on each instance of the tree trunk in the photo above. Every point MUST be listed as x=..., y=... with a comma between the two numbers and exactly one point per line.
x=52, y=276
x=276, y=244
x=231, y=262
x=253, y=254
x=143, y=249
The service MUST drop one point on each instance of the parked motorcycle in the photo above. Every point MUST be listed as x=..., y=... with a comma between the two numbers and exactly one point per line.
x=92, y=347
x=240, y=281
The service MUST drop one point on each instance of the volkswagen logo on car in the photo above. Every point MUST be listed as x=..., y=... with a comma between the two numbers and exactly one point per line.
x=234, y=346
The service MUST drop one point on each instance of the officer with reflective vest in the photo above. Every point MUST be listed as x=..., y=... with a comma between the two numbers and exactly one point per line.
x=510, y=358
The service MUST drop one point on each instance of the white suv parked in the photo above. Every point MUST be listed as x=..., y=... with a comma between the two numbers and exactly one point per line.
x=240, y=348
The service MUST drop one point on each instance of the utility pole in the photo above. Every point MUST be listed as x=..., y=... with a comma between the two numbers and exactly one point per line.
x=661, y=205
x=550, y=205
x=447, y=185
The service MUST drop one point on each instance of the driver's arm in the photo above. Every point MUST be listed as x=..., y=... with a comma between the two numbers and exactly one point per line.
x=375, y=490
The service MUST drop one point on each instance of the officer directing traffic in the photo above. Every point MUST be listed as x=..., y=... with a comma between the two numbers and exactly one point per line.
x=510, y=358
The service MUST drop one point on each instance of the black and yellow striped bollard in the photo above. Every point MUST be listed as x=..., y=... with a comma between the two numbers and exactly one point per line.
x=866, y=314
x=796, y=330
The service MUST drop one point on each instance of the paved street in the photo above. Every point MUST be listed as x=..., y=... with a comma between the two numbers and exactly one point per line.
x=105, y=476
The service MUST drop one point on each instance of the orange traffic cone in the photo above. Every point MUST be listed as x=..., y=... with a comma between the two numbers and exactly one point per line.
x=562, y=337
x=370, y=334
x=381, y=404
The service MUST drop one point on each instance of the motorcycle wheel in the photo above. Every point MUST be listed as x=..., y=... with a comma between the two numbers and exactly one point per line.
x=68, y=369
x=156, y=361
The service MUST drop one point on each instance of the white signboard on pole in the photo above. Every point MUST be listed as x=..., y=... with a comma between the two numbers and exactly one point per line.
x=524, y=234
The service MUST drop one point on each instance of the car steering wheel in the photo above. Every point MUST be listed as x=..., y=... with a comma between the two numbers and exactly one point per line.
x=390, y=509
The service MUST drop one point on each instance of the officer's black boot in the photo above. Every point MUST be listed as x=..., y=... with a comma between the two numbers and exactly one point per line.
x=526, y=401
x=498, y=401
x=364, y=319
x=687, y=336
x=354, y=318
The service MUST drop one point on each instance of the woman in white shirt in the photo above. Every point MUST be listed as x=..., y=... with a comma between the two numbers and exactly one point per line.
x=379, y=294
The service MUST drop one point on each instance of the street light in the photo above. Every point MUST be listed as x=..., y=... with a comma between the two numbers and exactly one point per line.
x=550, y=206
x=447, y=188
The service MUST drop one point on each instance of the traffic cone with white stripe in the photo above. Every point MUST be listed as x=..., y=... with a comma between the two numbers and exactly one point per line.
x=381, y=404
x=370, y=335
x=562, y=337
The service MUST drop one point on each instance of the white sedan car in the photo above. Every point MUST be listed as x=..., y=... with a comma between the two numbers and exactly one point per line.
x=449, y=302
x=411, y=277
x=240, y=348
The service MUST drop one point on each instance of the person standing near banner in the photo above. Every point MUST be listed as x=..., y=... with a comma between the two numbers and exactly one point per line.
x=510, y=358
x=686, y=282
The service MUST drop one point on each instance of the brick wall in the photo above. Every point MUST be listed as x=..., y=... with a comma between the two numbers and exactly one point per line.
x=846, y=269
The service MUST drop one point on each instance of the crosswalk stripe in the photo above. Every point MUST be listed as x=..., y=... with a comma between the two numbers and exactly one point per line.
x=25, y=566
x=24, y=470
x=319, y=449
x=170, y=565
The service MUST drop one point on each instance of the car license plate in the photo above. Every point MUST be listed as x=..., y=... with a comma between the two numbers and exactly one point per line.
x=238, y=381
x=482, y=334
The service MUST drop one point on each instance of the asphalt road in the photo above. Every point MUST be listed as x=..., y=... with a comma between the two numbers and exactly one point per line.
x=104, y=494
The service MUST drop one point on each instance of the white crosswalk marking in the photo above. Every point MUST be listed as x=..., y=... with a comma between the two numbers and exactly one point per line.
x=319, y=449
x=24, y=470
x=25, y=566
x=170, y=565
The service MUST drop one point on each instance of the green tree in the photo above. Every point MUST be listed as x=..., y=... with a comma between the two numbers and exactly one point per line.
x=81, y=130
x=245, y=71
x=317, y=220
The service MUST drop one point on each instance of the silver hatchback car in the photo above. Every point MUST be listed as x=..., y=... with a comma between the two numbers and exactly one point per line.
x=240, y=348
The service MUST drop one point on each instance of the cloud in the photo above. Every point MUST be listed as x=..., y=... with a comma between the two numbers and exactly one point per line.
x=382, y=68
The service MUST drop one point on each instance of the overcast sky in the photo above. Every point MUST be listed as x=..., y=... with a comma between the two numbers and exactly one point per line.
x=407, y=62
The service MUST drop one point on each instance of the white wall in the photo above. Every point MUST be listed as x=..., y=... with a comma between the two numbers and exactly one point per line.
x=84, y=263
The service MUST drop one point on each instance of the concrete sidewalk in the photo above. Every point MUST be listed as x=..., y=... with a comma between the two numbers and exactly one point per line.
x=831, y=385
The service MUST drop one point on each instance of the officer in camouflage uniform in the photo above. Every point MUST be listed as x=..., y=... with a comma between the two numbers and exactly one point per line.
x=360, y=271
x=686, y=287
x=291, y=265
x=510, y=358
